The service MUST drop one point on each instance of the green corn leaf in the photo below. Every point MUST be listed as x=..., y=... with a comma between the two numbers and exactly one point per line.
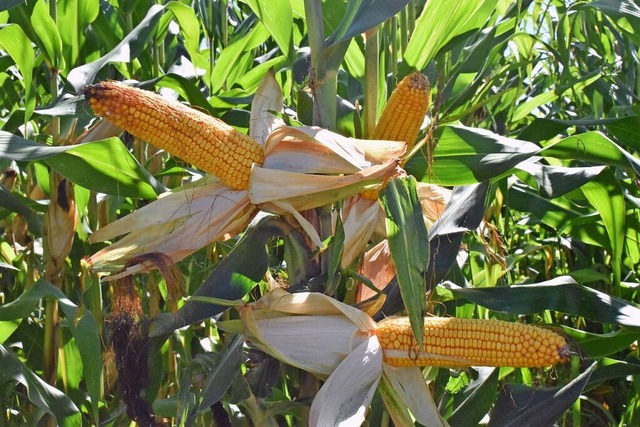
x=14, y=41
x=41, y=394
x=105, y=166
x=442, y=21
x=520, y=405
x=604, y=194
x=561, y=294
x=409, y=245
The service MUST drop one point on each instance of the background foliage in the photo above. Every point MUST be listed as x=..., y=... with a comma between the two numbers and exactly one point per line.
x=534, y=124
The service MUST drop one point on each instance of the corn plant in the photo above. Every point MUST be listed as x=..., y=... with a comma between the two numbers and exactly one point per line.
x=319, y=212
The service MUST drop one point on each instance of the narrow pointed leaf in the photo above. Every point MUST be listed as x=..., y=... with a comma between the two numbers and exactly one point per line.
x=439, y=23
x=561, y=294
x=362, y=15
x=465, y=155
x=219, y=378
x=232, y=279
x=409, y=244
x=463, y=213
x=14, y=41
x=130, y=47
x=41, y=394
x=277, y=16
x=476, y=399
x=520, y=405
x=605, y=194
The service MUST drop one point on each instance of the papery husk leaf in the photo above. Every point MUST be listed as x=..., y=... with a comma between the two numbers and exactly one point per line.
x=312, y=304
x=268, y=98
x=346, y=395
x=60, y=223
x=433, y=199
x=377, y=266
x=413, y=393
x=307, y=191
x=316, y=344
x=308, y=228
x=380, y=151
x=315, y=150
x=177, y=224
x=361, y=217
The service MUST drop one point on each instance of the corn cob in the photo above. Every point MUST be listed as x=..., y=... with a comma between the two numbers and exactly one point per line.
x=405, y=110
x=456, y=343
x=402, y=116
x=204, y=141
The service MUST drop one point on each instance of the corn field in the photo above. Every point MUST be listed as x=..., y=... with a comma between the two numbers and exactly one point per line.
x=320, y=212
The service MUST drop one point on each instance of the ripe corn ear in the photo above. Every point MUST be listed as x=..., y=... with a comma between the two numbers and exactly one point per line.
x=402, y=116
x=198, y=138
x=457, y=343
x=405, y=111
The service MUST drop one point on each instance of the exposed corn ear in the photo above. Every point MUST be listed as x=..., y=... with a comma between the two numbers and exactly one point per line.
x=204, y=141
x=405, y=111
x=452, y=342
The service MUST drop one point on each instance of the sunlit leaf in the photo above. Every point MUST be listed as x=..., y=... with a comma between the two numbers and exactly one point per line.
x=604, y=193
x=14, y=41
x=105, y=166
x=409, y=244
x=465, y=156
x=47, y=31
x=76, y=15
x=561, y=294
x=598, y=345
x=592, y=147
x=277, y=17
x=439, y=23
x=128, y=48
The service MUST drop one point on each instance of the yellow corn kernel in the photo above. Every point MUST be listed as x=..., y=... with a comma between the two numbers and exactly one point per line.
x=198, y=138
x=530, y=346
x=405, y=111
x=402, y=116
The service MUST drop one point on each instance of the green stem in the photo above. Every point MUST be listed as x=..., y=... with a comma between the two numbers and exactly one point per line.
x=404, y=31
x=411, y=17
x=51, y=341
x=53, y=82
x=52, y=319
x=315, y=26
x=575, y=413
x=323, y=80
x=371, y=71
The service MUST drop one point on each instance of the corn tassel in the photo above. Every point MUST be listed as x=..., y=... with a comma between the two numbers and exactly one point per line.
x=405, y=111
x=204, y=141
x=456, y=343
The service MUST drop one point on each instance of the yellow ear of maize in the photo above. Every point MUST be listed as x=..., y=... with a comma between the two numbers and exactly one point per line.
x=204, y=141
x=405, y=111
x=452, y=342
